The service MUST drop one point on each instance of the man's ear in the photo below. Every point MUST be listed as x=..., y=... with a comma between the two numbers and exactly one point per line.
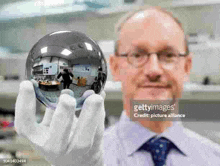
x=188, y=67
x=114, y=67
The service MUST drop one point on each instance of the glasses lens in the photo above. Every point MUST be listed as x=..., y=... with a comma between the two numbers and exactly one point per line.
x=137, y=58
x=167, y=57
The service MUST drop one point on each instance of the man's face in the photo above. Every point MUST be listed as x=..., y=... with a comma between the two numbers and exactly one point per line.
x=151, y=31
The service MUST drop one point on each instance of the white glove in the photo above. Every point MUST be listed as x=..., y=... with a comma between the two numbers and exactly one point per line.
x=63, y=139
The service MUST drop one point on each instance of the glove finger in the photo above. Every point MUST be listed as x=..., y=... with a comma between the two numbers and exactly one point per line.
x=100, y=130
x=47, y=117
x=68, y=92
x=35, y=83
x=90, y=117
x=81, y=100
x=101, y=125
x=49, y=112
x=88, y=93
x=61, y=123
x=25, y=109
x=103, y=94
x=74, y=125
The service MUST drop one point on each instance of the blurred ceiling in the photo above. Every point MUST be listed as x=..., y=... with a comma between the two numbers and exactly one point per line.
x=35, y=8
x=5, y=2
x=17, y=13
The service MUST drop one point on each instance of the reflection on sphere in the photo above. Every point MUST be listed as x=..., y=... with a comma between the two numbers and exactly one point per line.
x=65, y=60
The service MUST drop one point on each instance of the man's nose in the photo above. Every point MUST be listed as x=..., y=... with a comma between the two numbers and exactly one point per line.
x=152, y=68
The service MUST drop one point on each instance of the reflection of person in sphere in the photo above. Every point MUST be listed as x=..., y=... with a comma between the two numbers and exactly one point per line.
x=96, y=86
x=66, y=78
x=101, y=75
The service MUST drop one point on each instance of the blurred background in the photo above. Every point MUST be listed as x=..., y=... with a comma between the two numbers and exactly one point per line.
x=24, y=22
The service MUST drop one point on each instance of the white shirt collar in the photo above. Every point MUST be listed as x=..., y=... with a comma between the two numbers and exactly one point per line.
x=133, y=135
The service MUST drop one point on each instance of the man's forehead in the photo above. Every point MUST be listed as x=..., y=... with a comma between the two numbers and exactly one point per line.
x=149, y=14
x=152, y=14
x=151, y=24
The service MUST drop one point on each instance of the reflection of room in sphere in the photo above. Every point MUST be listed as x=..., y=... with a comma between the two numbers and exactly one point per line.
x=96, y=86
x=44, y=73
x=49, y=73
x=99, y=80
x=84, y=75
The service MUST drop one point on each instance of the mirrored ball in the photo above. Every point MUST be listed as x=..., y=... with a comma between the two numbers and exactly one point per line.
x=67, y=60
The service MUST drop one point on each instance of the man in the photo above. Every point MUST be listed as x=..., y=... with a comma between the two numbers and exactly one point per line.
x=139, y=63
x=152, y=62
x=66, y=78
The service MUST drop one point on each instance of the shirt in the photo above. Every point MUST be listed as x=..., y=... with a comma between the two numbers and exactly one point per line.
x=122, y=141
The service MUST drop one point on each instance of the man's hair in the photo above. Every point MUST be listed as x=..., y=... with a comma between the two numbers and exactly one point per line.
x=129, y=15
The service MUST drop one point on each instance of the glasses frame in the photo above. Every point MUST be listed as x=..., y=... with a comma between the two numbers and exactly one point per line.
x=148, y=54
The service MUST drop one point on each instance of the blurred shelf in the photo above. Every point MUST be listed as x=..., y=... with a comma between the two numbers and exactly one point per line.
x=182, y=3
x=12, y=87
x=192, y=91
x=7, y=131
x=23, y=146
x=9, y=88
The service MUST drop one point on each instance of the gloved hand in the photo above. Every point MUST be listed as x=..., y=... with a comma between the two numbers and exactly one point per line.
x=62, y=138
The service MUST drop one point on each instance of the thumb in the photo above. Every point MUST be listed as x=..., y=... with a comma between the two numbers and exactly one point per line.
x=25, y=109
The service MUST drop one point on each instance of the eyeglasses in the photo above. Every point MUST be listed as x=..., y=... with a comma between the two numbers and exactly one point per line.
x=139, y=58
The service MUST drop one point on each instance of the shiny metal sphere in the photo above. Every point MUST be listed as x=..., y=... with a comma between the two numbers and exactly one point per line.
x=66, y=60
